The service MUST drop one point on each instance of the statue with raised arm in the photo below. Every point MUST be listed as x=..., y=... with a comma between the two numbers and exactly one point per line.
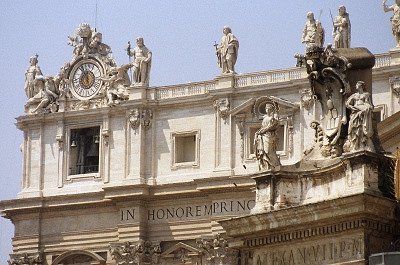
x=227, y=51
x=313, y=32
x=141, y=62
x=266, y=139
x=360, y=129
x=395, y=19
x=342, y=29
x=30, y=74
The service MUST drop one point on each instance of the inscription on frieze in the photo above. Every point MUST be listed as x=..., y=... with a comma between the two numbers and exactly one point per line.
x=332, y=251
x=188, y=212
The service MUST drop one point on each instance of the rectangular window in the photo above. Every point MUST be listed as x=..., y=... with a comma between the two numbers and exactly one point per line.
x=379, y=112
x=84, y=150
x=185, y=147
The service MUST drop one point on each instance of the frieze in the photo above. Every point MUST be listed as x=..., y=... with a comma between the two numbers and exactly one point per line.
x=321, y=231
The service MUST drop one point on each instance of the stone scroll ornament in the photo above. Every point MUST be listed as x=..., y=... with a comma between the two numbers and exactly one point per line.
x=266, y=139
x=395, y=19
x=328, y=70
x=26, y=259
x=227, y=51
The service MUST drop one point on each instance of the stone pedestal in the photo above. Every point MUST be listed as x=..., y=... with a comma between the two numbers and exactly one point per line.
x=137, y=92
x=225, y=81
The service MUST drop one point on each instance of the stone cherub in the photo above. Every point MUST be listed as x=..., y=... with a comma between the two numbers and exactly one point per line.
x=227, y=51
x=265, y=140
x=342, y=29
x=360, y=130
x=30, y=74
x=395, y=20
x=141, y=63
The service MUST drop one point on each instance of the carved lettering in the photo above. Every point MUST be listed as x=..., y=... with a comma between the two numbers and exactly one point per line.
x=190, y=211
x=315, y=254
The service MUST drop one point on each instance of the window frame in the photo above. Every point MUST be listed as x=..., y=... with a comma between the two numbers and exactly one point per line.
x=190, y=164
x=91, y=175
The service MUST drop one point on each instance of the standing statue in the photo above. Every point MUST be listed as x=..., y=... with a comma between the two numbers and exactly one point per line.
x=265, y=140
x=313, y=32
x=30, y=74
x=227, y=51
x=141, y=63
x=360, y=124
x=342, y=29
x=395, y=19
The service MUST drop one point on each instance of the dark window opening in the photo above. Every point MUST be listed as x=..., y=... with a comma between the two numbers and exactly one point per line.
x=84, y=151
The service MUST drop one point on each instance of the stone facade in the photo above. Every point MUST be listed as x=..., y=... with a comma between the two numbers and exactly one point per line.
x=143, y=175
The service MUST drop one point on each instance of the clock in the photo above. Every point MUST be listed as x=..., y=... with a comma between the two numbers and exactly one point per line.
x=85, y=79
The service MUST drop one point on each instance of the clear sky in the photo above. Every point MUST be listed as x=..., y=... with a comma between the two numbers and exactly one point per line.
x=180, y=35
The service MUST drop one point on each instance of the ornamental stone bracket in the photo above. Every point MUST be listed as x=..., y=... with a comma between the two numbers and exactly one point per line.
x=307, y=98
x=395, y=85
x=222, y=106
x=143, y=252
x=26, y=259
x=140, y=116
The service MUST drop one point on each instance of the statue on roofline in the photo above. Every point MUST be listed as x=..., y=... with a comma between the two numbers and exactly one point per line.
x=342, y=29
x=227, y=51
x=395, y=19
x=141, y=62
x=30, y=74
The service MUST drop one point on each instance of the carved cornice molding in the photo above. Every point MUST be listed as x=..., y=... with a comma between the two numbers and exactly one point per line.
x=319, y=231
x=216, y=251
x=26, y=259
x=143, y=252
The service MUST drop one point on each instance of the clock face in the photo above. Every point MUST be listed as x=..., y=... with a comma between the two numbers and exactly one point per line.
x=85, y=79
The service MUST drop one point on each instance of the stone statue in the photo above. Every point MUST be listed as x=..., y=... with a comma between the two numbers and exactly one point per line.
x=360, y=124
x=395, y=20
x=88, y=41
x=141, y=63
x=342, y=29
x=30, y=74
x=265, y=140
x=47, y=95
x=227, y=51
x=116, y=84
x=313, y=32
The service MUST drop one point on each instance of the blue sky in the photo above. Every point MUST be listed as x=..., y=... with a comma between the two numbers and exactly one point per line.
x=180, y=35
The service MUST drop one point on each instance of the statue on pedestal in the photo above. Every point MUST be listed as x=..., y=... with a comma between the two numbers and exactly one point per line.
x=342, y=29
x=141, y=63
x=265, y=140
x=30, y=74
x=395, y=19
x=227, y=51
x=360, y=124
x=313, y=32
